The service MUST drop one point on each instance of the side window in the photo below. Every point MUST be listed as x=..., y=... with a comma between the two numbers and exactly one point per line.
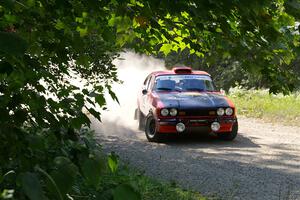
x=207, y=85
x=146, y=81
x=149, y=83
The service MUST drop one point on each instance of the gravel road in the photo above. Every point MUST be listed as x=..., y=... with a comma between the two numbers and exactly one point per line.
x=262, y=163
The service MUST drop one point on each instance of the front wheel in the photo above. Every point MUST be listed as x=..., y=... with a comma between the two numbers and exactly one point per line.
x=230, y=135
x=151, y=131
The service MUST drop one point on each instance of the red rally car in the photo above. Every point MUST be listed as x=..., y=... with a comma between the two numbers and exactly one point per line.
x=184, y=101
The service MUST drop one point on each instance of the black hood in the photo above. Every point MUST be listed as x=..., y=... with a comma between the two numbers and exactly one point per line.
x=193, y=100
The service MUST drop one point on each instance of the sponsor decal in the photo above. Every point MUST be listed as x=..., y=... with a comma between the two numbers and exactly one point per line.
x=198, y=120
x=182, y=77
x=193, y=94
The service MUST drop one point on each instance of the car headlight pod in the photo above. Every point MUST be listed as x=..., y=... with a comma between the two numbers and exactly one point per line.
x=229, y=111
x=173, y=111
x=220, y=111
x=164, y=112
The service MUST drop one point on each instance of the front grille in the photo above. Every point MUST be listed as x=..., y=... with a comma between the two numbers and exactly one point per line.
x=197, y=112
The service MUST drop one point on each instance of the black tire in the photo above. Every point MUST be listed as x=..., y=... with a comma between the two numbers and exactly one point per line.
x=150, y=130
x=230, y=135
x=141, y=120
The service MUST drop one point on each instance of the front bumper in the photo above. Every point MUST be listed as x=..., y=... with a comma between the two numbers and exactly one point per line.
x=202, y=124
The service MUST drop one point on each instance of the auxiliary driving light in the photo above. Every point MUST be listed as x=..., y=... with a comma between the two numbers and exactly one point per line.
x=215, y=126
x=180, y=127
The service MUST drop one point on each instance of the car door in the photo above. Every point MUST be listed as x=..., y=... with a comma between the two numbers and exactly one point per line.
x=142, y=95
x=148, y=97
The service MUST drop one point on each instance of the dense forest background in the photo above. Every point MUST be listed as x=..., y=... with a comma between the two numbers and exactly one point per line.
x=228, y=73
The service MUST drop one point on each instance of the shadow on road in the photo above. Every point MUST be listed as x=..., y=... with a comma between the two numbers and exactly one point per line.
x=197, y=140
x=112, y=129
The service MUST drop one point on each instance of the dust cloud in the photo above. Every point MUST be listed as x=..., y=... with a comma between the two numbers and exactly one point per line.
x=132, y=70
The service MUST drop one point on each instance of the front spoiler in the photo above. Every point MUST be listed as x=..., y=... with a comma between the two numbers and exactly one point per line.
x=195, y=124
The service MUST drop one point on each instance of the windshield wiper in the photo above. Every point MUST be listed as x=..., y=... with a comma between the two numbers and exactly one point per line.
x=167, y=89
x=178, y=90
x=195, y=89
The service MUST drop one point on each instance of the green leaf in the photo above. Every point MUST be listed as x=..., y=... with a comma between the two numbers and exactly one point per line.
x=2, y=177
x=93, y=168
x=10, y=18
x=64, y=175
x=100, y=100
x=113, y=162
x=166, y=48
x=20, y=116
x=7, y=194
x=83, y=60
x=6, y=68
x=293, y=7
x=13, y=44
x=84, y=14
x=90, y=101
x=79, y=19
x=80, y=120
x=125, y=191
x=59, y=25
x=32, y=186
x=95, y=113
x=109, y=35
x=50, y=181
x=113, y=95
x=8, y=3
x=82, y=31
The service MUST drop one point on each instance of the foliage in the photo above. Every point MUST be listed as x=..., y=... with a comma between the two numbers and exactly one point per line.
x=56, y=62
x=42, y=51
x=225, y=75
x=270, y=107
x=43, y=166
x=53, y=66
x=73, y=169
x=260, y=35
x=229, y=73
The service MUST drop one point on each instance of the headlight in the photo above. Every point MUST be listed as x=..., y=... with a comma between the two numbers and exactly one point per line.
x=164, y=112
x=229, y=111
x=220, y=111
x=173, y=112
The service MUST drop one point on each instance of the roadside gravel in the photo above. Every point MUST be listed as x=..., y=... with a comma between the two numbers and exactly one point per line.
x=262, y=163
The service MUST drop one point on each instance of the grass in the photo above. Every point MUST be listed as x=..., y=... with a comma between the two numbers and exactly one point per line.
x=269, y=107
x=151, y=188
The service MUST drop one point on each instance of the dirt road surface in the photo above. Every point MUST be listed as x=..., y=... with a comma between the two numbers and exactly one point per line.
x=262, y=163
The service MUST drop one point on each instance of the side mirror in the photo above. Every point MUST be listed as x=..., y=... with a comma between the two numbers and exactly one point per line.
x=144, y=91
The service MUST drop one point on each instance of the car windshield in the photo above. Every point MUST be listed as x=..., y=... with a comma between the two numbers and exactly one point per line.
x=183, y=83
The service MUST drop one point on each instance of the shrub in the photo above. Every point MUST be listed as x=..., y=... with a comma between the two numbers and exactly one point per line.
x=271, y=107
x=41, y=164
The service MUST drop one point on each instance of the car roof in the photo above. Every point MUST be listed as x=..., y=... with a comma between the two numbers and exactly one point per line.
x=180, y=70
